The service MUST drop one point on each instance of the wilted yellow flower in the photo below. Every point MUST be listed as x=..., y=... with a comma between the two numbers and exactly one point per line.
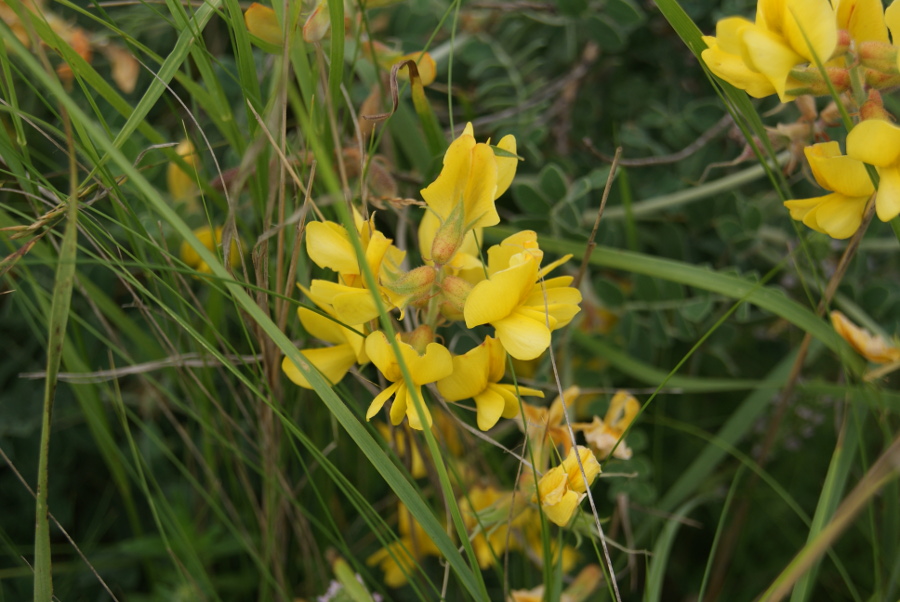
x=549, y=424
x=873, y=348
x=840, y=213
x=562, y=488
x=602, y=435
x=476, y=375
x=212, y=240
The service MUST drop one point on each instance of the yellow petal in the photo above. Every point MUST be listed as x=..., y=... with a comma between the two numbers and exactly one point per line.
x=355, y=306
x=469, y=376
x=523, y=338
x=731, y=68
x=770, y=55
x=561, y=513
x=321, y=327
x=447, y=190
x=263, y=23
x=425, y=64
x=873, y=348
x=810, y=28
x=329, y=246
x=380, y=353
x=800, y=207
x=864, y=19
x=332, y=362
x=573, y=470
x=435, y=364
x=506, y=166
x=412, y=414
x=839, y=216
x=494, y=299
x=496, y=359
x=480, y=189
x=381, y=399
x=839, y=173
x=892, y=19
x=875, y=142
x=887, y=203
x=183, y=185
x=490, y=405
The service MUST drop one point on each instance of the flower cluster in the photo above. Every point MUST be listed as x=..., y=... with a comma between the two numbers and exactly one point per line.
x=817, y=47
x=456, y=322
x=511, y=292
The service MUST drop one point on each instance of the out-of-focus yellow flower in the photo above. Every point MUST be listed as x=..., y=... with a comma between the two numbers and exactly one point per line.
x=334, y=361
x=487, y=509
x=583, y=586
x=522, y=307
x=840, y=213
x=759, y=56
x=183, y=184
x=401, y=556
x=873, y=348
x=401, y=440
x=602, y=435
x=212, y=240
x=386, y=58
x=549, y=424
x=262, y=22
x=562, y=488
x=427, y=363
x=476, y=375
x=877, y=142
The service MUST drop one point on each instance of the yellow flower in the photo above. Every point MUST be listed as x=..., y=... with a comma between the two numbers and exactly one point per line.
x=759, y=57
x=400, y=557
x=473, y=177
x=262, y=22
x=840, y=213
x=211, y=239
x=183, y=185
x=583, y=586
x=562, y=488
x=487, y=509
x=549, y=424
x=602, y=435
x=521, y=306
x=427, y=363
x=333, y=362
x=877, y=143
x=475, y=375
x=873, y=348
x=329, y=246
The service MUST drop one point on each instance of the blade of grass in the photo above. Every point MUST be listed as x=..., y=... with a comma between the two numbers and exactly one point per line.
x=59, y=318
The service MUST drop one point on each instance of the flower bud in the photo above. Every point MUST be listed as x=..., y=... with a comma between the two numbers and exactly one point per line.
x=879, y=56
x=419, y=338
x=318, y=23
x=449, y=236
x=454, y=291
x=880, y=79
x=412, y=285
x=873, y=108
x=811, y=82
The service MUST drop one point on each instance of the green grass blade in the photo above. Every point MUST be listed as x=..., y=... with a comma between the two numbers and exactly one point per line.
x=59, y=318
